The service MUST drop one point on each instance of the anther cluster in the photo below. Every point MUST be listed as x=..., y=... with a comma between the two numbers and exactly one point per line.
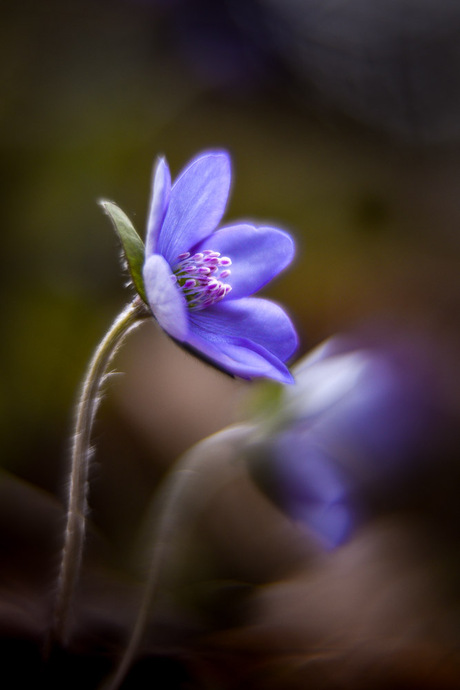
x=200, y=277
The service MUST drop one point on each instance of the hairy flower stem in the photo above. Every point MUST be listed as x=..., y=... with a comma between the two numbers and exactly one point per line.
x=74, y=535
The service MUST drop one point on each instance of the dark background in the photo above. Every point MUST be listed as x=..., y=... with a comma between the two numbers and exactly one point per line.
x=343, y=122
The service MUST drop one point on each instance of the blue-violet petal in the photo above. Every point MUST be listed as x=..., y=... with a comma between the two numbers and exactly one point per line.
x=239, y=357
x=259, y=320
x=257, y=254
x=161, y=189
x=197, y=204
x=166, y=301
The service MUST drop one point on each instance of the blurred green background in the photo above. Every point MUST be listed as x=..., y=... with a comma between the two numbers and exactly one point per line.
x=343, y=126
x=93, y=91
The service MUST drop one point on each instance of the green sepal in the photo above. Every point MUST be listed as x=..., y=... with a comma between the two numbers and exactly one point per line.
x=132, y=245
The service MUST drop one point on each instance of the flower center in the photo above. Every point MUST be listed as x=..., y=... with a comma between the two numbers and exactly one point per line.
x=200, y=277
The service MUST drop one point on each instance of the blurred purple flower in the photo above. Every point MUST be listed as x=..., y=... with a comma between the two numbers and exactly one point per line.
x=355, y=421
x=198, y=278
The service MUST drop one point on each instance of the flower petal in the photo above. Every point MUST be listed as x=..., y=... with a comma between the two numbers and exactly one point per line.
x=248, y=338
x=197, y=203
x=239, y=357
x=161, y=188
x=258, y=320
x=257, y=254
x=312, y=487
x=166, y=301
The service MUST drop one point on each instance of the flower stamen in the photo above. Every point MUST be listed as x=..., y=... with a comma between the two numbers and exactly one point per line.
x=196, y=277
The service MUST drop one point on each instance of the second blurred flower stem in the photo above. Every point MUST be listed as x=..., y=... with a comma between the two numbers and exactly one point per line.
x=197, y=478
x=74, y=536
x=163, y=540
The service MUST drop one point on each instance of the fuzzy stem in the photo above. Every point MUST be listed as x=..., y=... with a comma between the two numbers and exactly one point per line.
x=74, y=535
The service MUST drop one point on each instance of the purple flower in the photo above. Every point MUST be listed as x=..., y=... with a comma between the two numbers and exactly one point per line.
x=198, y=278
x=353, y=427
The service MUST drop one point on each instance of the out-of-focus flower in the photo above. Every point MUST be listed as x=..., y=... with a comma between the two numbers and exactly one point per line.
x=198, y=278
x=351, y=427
